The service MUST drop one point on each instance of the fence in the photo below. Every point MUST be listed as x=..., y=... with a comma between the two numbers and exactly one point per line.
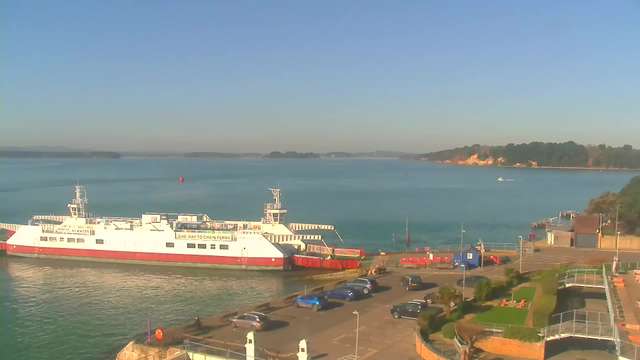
x=194, y=347
x=624, y=266
x=582, y=277
x=578, y=323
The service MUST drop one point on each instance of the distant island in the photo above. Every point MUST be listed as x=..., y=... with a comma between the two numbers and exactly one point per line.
x=291, y=155
x=25, y=154
x=538, y=154
x=221, y=155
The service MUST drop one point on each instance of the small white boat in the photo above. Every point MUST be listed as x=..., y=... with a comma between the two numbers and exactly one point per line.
x=503, y=179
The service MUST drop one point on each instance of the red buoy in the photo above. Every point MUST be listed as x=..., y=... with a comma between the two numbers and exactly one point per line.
x=181, y=179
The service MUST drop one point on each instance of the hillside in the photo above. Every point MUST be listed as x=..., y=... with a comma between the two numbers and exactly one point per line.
x=538, y=154
x=628, y=214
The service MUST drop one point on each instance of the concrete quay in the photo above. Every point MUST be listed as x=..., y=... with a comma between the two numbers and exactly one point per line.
x=331, y=333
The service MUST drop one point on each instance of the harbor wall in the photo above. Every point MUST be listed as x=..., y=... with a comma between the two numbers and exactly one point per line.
x=626, y=242
x=511, y=347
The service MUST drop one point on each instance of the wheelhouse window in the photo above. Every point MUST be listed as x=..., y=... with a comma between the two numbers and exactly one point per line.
x=80, y=241
x=224, y=247
x=170, y=244
x=52, y=238
x=43, y=238
x=191, y=246
x=213, y=246
x=202, y=246
x=61, y=239
x=100, y=241
x=71, y=240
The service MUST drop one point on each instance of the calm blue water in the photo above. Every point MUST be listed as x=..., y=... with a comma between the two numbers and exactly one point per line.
x=86, y=310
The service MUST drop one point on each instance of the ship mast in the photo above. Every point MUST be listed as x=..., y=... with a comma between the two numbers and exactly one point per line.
x=275, y=213
x=78, y=206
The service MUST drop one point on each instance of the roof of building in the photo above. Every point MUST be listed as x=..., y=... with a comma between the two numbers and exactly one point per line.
x=586, y=224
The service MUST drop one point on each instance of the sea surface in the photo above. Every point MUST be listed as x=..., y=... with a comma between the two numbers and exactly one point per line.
x=83, y=310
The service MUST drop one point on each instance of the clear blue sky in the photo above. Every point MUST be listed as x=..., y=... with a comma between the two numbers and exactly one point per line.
x=317, y=76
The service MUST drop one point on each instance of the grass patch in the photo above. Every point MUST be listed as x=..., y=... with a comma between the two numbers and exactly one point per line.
x=542, y=309
x=503, y=315
x=527, y=293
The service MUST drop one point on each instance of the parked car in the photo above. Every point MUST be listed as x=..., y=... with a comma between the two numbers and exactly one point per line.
x=343, y=293
x=313, y=301
x=368, y=284
x=253, y=320
x=408, y=310
x=423, y=304
x=412, y=282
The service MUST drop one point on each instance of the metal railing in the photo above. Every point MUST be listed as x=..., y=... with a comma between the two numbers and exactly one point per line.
x=628, y=350
x=582, y=277
x=192, y=347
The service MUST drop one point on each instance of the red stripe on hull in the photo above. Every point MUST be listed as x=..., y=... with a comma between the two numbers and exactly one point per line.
x=276, y=263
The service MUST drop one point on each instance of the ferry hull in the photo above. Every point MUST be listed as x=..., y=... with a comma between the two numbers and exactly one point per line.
x=182, y=260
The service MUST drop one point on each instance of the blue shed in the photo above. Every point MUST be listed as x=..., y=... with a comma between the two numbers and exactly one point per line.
x=470, y=257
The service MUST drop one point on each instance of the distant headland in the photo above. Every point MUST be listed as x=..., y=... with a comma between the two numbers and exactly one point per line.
x=538, y=154
x=27, y=154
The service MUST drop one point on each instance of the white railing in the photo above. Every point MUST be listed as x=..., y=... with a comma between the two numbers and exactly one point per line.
x=593, y=278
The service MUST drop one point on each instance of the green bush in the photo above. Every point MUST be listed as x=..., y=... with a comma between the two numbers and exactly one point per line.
x=483, y=290
x=427, y=321
x=542, y=309
x=520, y=333
x=449, y=330
x=499, y=287
x=512, y=276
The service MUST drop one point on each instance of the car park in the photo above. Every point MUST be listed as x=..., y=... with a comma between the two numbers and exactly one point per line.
x=343, y=293
x=313, y=301
x=412, y=282
x=367, y=284
x=253, y=320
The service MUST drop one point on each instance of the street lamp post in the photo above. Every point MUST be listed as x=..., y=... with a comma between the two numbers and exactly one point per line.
x=357, y=314
x=464, y=279
x=520, y=237
x=617, y=233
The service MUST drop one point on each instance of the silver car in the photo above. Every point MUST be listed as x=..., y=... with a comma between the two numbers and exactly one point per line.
x=253, y=320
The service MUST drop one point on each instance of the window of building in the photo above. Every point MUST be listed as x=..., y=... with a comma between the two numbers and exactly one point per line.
x=224, y=247
x=469, y=256
x=202, y=246
x=52, y=239
x=169, y=244
x=61, y=239
x=80, y=241
x=213, y=246
x=191, y=246
x=100, y=241
x=43, y=238
x=71, y=240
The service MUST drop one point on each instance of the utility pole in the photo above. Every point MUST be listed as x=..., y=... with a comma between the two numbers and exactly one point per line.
x=520, y=254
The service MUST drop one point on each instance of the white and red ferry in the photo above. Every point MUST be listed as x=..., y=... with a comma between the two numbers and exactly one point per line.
x=193, y=240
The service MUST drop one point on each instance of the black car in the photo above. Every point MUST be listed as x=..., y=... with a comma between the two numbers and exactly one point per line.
x=412, y=282
x=408, y=310
x=367, y=284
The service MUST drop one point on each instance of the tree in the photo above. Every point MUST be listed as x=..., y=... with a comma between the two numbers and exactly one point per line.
x=629, y=212
x=427, y=321
x=470, y=333
x=483, y=290
x=512, y=276
x=448, y=295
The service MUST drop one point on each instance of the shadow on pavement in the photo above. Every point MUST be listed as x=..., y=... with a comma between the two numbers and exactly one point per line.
x=333, y=305
x=277, y=325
